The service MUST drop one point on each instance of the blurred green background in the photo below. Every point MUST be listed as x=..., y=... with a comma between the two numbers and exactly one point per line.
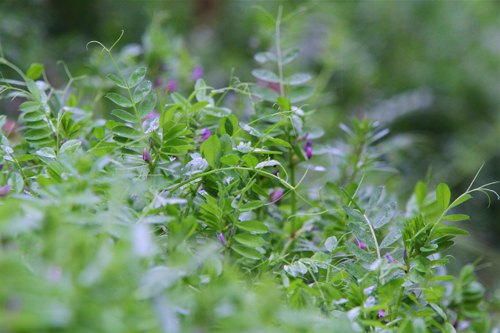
x=428, y=70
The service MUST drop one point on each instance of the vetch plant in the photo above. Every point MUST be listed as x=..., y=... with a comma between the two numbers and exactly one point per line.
x=197, y=219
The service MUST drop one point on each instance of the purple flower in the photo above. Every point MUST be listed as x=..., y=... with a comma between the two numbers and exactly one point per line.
x=152, y=114
x=145, y=155
x=197, y=72
x=171, y=85
x=361, y=245
x=206, y=134
x=388, y=256
x=381, y=313
x=404, y=254
x=222, y=239
x=1, y=166
x=4, y=190
x=276, y=195
x=231, y=234
x=308, y=150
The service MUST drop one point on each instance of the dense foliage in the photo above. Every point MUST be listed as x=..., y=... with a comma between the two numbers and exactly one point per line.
x=186, y=214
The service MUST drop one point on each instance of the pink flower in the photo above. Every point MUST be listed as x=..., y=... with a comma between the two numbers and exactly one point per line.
x=381, y=313
x=276, y=195
x=4, y=190
x=206, y=134
x=308, y=149
x=145, y=156
x=271, y=85
x=171, y=85
x=198, y=72
x=361, y=245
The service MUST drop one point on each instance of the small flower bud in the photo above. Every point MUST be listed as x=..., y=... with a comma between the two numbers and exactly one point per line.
x=381, y=313
x=222, y=239
x=308, y=149
x=1, y=166
x=404, y=254
x=276, y=195
x=171, y=85
x=388, y=256
x=197, y=72
x=206, y=134
x=361, y=245
x=145, y=156
x=4, y=190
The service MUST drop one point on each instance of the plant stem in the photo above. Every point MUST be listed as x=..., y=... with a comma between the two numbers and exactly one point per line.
x=278, y=50
x=293, y=196
x=191, y=199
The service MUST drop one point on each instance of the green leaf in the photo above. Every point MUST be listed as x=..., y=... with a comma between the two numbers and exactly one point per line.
x=231, y=160
x=116, y=80
x=247, y=252
x=136, y=77
x=33, y=89
x=26, y=157
x=70, y=146
x=266, y=75
x=359, y=253
x=147, y=105
x=228, y=125
x=278, y=142
x=46, y=152
x=463, y=198
x=391, y=237
x=124, y=115
x=443, y=195
x=141, y=91
x=289, y=55
x=249, y=240
x=387, y=214
x=331, y=243
x=29, y=106
x=127, y=132
x=375, y=197
x=37, y=134
x=35, y=71
x=422, y=264
x=251, y=205
x=267, y=94
x=253, y=226
x=16, y=182
x=211, y=151
x=298, y=79
x=37, y=124
x=201, y=91
x=449, y=230
x=34, y=116
x=420, y=192
x=269, y=163
x=353, y=214
x=457, y=217
x=226, y=144
x=251, y=160
x=119, y=100
x=263, y=57
x=358, y=231
x=99, y=132
x=198, y=106
x=301, y=93
x=428, y=248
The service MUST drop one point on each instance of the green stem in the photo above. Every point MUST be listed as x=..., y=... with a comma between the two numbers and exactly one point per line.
x=373, y=235
x=293, y=196
x=191, y=199
x=260, y=172
x=129, y=91
x=398, y=302
x=278, y=49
